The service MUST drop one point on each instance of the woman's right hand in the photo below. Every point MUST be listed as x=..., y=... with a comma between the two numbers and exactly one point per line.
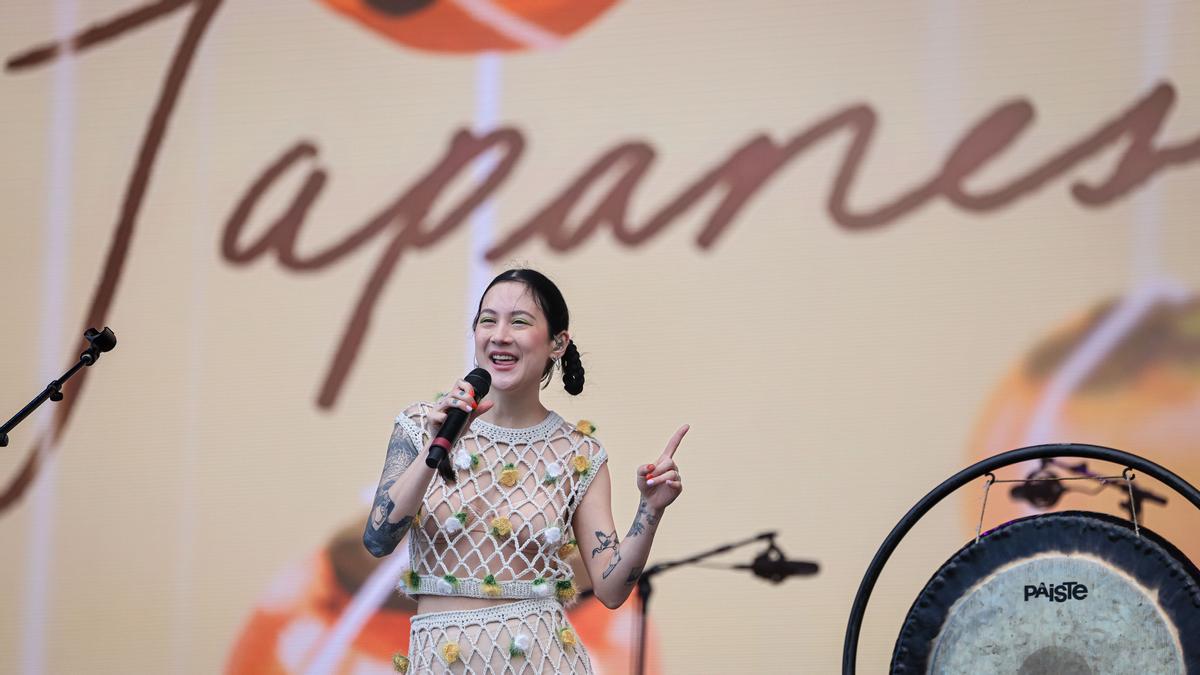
x=461, y=396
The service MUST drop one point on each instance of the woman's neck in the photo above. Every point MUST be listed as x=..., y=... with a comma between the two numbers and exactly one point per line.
x=515, y=409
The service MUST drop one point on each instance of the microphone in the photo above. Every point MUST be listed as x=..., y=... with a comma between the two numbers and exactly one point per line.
x=774, y=566
x=481, y=380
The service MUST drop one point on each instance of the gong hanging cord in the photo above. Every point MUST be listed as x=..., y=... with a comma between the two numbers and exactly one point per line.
x=1126, y=476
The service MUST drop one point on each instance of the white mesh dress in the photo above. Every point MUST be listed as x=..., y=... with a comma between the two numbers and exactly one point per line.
x=501, y=531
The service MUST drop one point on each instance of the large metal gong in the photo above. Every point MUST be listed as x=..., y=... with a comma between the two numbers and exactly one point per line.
x=1071, y=593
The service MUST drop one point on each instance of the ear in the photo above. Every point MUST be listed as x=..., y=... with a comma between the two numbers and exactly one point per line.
x=560, y=344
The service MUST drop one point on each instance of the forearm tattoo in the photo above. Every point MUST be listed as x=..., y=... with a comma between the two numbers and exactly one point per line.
x=616, y=560
x=633, y=576
x=607, y=541
x=642, y=520
x=380, y=536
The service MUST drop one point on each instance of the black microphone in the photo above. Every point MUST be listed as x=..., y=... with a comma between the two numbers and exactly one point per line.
x=481, y=381
x=773, y=566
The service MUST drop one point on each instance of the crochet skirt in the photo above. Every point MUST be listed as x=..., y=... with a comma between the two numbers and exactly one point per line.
x=528, y=636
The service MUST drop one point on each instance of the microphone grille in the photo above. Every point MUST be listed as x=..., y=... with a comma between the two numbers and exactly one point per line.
x=481, y=379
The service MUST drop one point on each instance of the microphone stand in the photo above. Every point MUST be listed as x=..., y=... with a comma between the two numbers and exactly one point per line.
x=644, y=588
x=100, y=342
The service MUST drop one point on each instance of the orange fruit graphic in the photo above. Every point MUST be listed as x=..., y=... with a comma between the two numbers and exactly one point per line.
x=472, y=26
x=1142, y=397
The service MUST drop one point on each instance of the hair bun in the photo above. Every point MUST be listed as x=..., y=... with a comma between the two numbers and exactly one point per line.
x=572, y=367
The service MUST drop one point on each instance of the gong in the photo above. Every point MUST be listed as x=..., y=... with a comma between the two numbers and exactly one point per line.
x=1072, y=593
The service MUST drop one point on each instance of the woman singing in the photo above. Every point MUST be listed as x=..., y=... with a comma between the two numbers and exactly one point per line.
x=489, y=547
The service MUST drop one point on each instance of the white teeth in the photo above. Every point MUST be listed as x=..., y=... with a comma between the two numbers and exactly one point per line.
x=504, y=358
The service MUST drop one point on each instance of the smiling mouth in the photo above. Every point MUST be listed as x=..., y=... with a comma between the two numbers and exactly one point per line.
x=503, y=360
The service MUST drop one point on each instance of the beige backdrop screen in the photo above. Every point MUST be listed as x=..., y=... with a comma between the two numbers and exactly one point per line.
x=857, y=245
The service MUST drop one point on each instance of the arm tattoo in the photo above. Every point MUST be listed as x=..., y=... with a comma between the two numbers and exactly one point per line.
x=633, y=576
x=642, y=520
x=607, y=541
x=616, y=560
x=382, y=508
x=380, y=536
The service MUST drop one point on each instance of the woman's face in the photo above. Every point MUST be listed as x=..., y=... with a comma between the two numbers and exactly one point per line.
x=512, y=337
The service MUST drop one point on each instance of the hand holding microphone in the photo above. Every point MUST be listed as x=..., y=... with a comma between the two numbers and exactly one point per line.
x=455, y=411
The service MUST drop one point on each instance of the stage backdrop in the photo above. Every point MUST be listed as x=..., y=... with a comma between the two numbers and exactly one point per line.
x=856, y=245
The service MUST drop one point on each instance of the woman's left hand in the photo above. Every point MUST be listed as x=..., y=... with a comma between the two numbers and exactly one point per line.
x=660, y=482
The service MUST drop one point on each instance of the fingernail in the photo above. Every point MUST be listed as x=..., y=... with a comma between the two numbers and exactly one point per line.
x=650, y=482
x=649, y=467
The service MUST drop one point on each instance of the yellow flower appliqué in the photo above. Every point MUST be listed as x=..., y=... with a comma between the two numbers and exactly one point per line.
x=567, y=548
x=581, y=464
x=501, y=527
x=567, y=637
x=509, y=475
x=400, y=662
x=412, y=580
x=450, y=652
x=565, y=590
x=490, y=587
x=585, y=427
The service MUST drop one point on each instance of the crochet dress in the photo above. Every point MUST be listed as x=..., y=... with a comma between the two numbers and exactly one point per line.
x=502, y=530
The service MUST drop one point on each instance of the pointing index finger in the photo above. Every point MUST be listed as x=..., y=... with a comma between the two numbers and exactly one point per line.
x=673, y=444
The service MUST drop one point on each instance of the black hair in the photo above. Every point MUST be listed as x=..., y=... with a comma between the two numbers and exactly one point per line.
x=552, y=304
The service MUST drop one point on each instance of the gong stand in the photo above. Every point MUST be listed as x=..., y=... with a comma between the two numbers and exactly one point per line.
x=99, y=342
x=984, y=468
